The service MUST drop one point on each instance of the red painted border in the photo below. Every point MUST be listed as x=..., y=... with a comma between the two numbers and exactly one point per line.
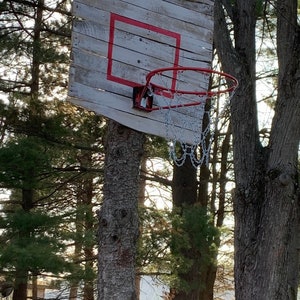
x=113, y=19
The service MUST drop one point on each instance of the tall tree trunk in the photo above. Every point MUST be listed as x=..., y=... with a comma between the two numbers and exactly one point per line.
x=249, y=171
x=20, y=289
x=77, y=247
x=73, y=292
x=21, y=273
x=184, y=192
x=118, y=217
x=141, y=204
x=187, y=192
x=88, y=288
x=281, y=207
x=20, y=285
x=266, y=201
x=200, y=276
x=34, y=287
x=36, y=54
x=87, y=201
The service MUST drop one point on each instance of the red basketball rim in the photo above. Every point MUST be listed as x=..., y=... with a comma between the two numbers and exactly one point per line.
x=226, y=76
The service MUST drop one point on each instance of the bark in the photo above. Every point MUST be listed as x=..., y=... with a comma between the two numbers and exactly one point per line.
x=36, y=54
x=88, y=288
x=20, y=286
x=87, y=201
x=184, y=192
x=281, y=205
x=20, y=290
x=141, y=204
x=73, y=292
x=118, y=217
x=266, y=201
x=21, y=273
x=34, y=287
x=188, y=192
x=77, y=250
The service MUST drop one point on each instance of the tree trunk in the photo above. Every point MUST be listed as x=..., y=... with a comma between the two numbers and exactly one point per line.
x=187, y=192
x=266, y=201
x=77, y=248
x=88, y=288
x=73, y=292
x=20, y=286
x=280, y=222
x=34, y=287
x=20, y=290
x=36, y=54
x=118, y=217
x=87, y=202
x=21, y=273
x=184, y=192
x=200, y=276
x=141, y=204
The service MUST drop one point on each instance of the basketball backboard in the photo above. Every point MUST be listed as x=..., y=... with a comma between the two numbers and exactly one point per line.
x=116, y=43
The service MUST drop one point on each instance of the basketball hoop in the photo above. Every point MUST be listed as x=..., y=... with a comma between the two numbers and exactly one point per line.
x=182, y=92
x=143, y=95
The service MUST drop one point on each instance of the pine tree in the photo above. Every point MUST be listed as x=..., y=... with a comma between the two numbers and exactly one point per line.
x=42, y=141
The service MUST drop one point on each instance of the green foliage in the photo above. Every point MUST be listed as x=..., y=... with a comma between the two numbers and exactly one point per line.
x=172, y=242
x=81, y=273
x=21, y=162
x=26, y=40
x=31, y=242
x=156, y=147
x=48, y=147
x=193, y=241
x=260, y=8
x=153, y=252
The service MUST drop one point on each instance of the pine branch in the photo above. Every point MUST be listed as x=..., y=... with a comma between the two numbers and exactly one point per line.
x=47, y=8
x=154, y=177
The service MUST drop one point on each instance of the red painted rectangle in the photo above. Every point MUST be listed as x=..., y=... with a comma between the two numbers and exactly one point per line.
x=118, y=18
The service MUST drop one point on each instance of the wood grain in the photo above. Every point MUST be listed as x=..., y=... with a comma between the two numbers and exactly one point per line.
x=144, y=36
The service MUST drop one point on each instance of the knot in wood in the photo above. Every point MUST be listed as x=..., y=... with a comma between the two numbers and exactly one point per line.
x=285, y=179
x=104, y=222
x=121, y=129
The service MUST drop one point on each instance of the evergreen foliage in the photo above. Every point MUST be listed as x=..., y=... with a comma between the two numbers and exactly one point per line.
x=50, y=151
x=32, y=243
x=193, y=237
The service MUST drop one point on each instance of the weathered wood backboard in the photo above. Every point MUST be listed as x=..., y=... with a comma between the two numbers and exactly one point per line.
x=116, y=43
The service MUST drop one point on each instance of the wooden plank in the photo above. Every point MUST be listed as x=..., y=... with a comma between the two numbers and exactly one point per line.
x=125, y=62
x=155, y=57
x=196, y=50
x=205, y=7
x=146, y=35
x=99, y=63
x=167, y=10
x=91, y=78
x=90, y=8
x=128, y=117
x=176, y=11
x=92, y=67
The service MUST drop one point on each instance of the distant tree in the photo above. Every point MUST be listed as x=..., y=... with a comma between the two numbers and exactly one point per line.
x=199, y=197
x=29, y=235
x=25, y=52
x=43, y=143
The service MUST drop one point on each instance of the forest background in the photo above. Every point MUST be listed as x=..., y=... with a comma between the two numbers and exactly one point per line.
x=52, y=162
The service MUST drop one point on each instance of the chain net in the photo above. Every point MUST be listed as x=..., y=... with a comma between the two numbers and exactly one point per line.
x=188, y=95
